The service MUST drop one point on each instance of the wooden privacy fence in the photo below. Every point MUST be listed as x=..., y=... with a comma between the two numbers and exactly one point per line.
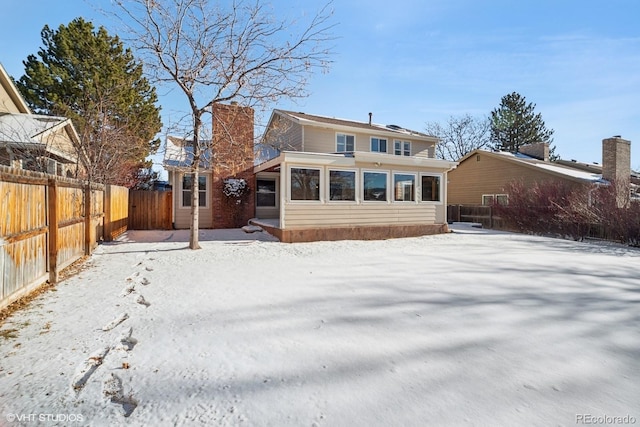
x=474, y=213
x=150, y=210
x=48, y=222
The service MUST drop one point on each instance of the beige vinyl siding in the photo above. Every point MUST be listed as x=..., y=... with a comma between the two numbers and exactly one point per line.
x=485, y=174
x=182, y=215
x=325, y=213
x=350, y=215
x=60, y=141
x=285, y=135
x=323, y=140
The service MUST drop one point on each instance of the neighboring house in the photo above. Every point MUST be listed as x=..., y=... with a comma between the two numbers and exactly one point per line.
x=343, y=179
x=482, y=176
x=32, y=141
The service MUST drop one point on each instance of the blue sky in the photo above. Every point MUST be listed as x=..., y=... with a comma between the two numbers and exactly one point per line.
x=414, y=61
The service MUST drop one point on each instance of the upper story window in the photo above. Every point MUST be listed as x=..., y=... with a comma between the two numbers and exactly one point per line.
x=401, y=148
x=378, y=145
x=345, y=142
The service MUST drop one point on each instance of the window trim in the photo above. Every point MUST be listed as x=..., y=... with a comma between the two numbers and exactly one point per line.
x=207, y=186
x=402, y=143
x=387, y=173
x=415, y=186
x=345, y=142
x=440, y=188
x=379, y=138
x=492, y=196
x=275, y=192
x=328, y=185
x=320, y=183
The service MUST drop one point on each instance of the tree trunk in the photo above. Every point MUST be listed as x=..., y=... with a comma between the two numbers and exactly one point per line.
x=195, y=189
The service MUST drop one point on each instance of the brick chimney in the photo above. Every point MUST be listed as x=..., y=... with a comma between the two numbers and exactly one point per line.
x=616, y=165
x=233, y=158
x=537, y=150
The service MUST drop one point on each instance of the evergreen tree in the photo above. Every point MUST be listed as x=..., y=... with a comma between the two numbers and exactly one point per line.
x=514, y=124
x=89, y=77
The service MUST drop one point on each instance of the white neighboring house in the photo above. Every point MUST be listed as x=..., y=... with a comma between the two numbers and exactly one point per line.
x=34, y=141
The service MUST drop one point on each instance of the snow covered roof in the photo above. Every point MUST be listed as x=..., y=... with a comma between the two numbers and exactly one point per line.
x=29, y=131
x=179, y=154
x=552, y=167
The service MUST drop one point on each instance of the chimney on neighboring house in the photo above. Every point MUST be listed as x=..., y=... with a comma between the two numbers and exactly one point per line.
x=537, y=150
x=616, y=165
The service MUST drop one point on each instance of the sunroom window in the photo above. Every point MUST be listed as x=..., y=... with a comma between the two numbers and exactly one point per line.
x=305, y=184
x=404, y=187
x=375, y=186
x=430, y=188
x=342, y=185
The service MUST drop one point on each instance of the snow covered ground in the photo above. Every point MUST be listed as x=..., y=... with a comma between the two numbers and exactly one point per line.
x=468, y=328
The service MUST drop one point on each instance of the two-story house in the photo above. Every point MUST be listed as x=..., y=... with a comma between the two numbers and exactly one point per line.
x=341, y=179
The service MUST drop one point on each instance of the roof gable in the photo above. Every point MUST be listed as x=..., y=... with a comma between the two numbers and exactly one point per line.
x=332, y=122
x=11, y=101
x=551, y=168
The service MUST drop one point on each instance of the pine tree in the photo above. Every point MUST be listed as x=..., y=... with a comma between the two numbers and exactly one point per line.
x=89, y=77
x=514, y=124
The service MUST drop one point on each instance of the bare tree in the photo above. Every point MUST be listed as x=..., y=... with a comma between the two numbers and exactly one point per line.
x=225, y=51
x=460, y=135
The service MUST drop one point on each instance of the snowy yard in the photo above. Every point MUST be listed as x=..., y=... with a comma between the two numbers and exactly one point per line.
x=468, y=328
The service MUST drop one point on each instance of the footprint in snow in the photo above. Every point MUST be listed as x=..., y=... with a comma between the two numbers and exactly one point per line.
x=140, y=300
x=112, y=391
x=125, y=342
x=115, y=322
x=87, y=368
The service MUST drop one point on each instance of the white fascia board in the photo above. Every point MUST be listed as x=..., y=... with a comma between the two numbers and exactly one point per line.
x=392, y=160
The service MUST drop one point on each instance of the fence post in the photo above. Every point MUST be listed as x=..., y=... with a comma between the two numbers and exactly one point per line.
x=490, y=216
x=107, y=213
x=52, y=201
x=87, y=219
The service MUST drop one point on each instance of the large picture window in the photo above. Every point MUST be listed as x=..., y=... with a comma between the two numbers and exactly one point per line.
x=305, y=184
x=342, y=185
x=266, y=194
x=430, y=188
x=345, y=142
x=375, y=186
x=378, y=145
x=404, y=186
x=187, y=185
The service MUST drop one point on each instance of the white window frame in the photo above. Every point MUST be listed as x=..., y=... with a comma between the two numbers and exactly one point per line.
x=505, y=196
x=320, y=183
x=388, y=187
x=440, y=188
x=403, y=146
x=207, y=187
x=415, y=186
x=328, y=185
x=379, y=138
x=346, y=150
x=491, y=197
